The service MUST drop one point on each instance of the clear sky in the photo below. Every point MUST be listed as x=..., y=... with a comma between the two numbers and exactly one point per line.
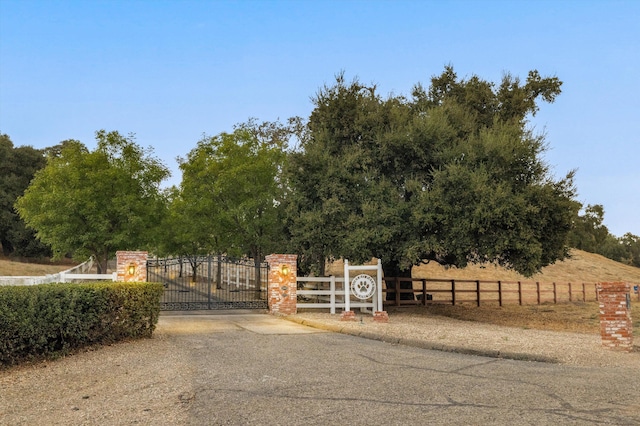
x=171, y=71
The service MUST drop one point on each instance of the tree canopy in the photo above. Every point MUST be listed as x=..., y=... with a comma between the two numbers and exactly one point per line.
x=451, y=175
x=95, y=202
x=17, y=167
x=231, y=193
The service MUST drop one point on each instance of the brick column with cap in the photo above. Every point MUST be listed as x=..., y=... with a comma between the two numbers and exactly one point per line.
x=615, y=316
x=281, y=294
x=131, y=266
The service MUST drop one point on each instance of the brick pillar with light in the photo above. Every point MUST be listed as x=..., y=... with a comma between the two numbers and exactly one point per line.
x=615, y=316
x=132, y=266
x=281, y=293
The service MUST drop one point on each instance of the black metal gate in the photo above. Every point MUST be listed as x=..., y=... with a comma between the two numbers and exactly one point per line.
x=209, y=282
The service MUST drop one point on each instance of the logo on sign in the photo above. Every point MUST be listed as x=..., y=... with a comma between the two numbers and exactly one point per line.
x=363, y=286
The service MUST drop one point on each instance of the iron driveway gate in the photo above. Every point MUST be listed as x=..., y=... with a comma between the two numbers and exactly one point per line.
x=209, y=282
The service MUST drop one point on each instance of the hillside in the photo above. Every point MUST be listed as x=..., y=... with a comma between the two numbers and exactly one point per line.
x=14, y=268
x=581, y=267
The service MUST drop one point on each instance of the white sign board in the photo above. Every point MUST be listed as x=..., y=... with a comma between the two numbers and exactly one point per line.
x=363, y=286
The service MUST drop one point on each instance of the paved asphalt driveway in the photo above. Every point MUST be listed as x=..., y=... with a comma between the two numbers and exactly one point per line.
x=260, y=370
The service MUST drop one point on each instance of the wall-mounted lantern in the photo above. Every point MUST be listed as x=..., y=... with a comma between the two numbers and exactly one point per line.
x=131, y=269
x=284, y=270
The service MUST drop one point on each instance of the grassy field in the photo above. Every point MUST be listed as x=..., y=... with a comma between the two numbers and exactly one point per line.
x=13, y=268
x=575, y=317
x=581, y=267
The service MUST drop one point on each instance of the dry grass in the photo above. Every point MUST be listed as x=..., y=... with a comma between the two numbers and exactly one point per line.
x=14, y=268
x=581, y=267
x=577, y=317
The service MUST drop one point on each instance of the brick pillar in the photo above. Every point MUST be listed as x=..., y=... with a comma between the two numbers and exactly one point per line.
x=282, y=283
x=615, y=316
x=132, y=266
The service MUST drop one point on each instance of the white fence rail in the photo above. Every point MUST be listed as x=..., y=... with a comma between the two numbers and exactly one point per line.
x=324, y=293
x=76, y=273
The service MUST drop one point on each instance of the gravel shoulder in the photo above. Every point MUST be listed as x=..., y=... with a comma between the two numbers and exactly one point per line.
x=447, y=334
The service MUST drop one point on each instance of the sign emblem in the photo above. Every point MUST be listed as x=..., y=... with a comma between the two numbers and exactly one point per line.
x=363, y=286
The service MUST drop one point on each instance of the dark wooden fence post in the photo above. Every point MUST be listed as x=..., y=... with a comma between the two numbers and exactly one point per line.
x=520, y=293
x=453, y=292
x=478, y=291
x=570, y=293
x=538, y=290
x=500, y=293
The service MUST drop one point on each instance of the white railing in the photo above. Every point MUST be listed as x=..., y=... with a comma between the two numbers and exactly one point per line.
x=65, y=278
x=234, y=274
x=78, y=272
x=332, y=297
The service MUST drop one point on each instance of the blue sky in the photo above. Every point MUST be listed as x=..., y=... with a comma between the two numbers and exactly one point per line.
x=171, y=71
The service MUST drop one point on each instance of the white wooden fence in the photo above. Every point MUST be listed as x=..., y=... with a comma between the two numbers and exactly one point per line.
x=326, y=293
x=76, y=273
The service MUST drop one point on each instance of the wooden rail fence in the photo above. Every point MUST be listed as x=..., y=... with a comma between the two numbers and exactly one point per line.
x=450, y=291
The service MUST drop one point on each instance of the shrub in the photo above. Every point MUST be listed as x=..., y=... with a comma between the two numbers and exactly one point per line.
x=50, y=320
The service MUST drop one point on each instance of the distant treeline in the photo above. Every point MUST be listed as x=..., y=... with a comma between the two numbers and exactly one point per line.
x=589, y=234
x=19, y=164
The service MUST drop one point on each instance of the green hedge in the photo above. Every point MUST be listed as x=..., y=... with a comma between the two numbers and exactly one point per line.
x=50, y=320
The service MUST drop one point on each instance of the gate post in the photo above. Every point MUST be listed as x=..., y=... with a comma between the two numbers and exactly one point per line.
x=282, y=295
x=615, y=316
x=131, y=266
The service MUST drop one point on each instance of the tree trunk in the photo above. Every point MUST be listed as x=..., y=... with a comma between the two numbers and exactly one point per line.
x=322, y=267
x=219, y=273
x=392, y=270
x=101, y=264
x=193, y=260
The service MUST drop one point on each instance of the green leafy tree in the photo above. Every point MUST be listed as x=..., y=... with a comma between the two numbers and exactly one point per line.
x=184, y=231
x=231, y=192
x=631, y=244
x=17, y=167
x=451, y=175
x=589, y=232
x=92, y=203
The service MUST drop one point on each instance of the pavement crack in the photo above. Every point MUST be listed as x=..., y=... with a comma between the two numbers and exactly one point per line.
x=456, y=371
x=562, y=403
x=449, y=403
x=479, y=364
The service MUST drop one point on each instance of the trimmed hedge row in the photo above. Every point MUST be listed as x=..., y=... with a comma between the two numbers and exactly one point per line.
x=50, y=320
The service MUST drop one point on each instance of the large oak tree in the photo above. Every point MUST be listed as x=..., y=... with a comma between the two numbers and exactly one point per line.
x=451, y=175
